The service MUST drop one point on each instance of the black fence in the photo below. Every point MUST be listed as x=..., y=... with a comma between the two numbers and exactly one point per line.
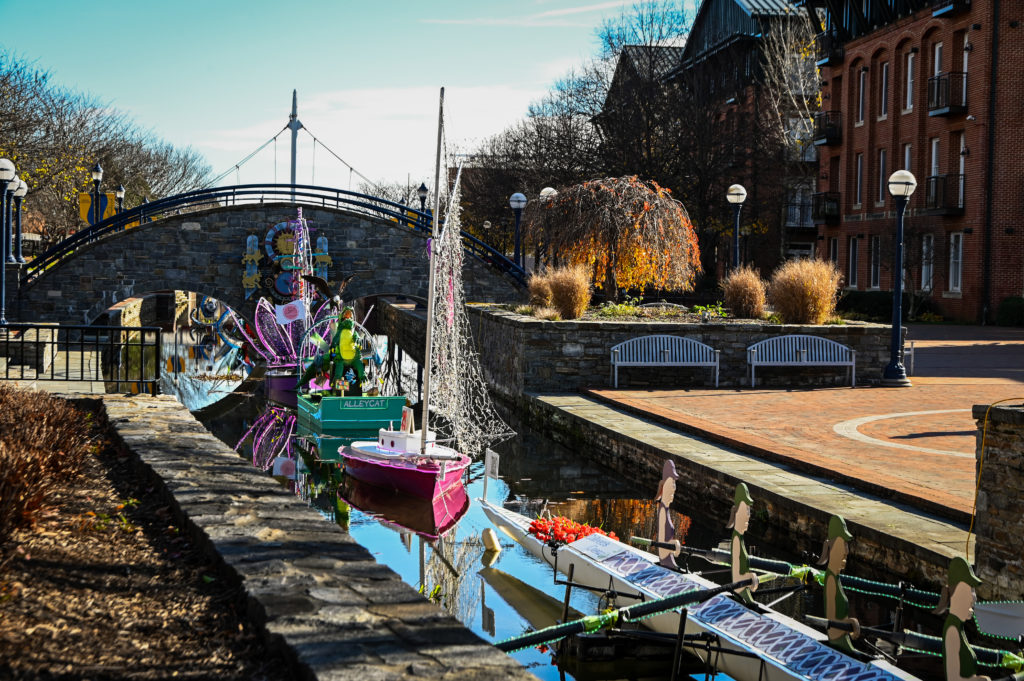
x=120, y=358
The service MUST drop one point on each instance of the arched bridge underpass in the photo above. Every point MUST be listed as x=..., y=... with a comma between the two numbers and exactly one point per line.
x=201, y=249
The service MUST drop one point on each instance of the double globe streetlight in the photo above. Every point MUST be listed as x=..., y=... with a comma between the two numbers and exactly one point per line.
x=902, y=184
x=15, y=187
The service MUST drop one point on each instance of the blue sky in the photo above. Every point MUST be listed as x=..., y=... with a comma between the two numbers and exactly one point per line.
x=218, y=75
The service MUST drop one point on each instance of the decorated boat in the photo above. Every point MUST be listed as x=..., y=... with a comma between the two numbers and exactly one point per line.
x=756, y=642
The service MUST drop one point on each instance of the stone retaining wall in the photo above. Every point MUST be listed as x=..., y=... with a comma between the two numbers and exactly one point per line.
x=314, y=591
x=1000, y=520
x=524, y=354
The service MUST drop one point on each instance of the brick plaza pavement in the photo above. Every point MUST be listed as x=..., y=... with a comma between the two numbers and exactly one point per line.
x=917, y=443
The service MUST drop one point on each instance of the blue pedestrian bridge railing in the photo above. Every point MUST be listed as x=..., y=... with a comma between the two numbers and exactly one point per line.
x=255, y=194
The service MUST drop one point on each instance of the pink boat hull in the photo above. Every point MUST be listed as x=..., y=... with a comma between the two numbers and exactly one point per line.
x=423, y=481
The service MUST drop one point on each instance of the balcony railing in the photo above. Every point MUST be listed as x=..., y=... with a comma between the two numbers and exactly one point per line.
x=830, y=49
x=828, y=128
x=825, y=208
x=947, y=94
x=950, y=8
x=944, y=194
x=799, y=215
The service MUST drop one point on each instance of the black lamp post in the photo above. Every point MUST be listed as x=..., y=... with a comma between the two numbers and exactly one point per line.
x=6, y=177
x=119, y=193
x=902, y=184
x=97, y=177
x=546, y=195
x=736, y=196
x=422, y=193
x=517, y=202
x=19, y=196
x=12, y=187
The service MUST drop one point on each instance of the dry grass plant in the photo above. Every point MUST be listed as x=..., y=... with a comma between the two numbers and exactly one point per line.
x=548, y=314
x=743, y=292
x=805, y=291
x=44, y=442
x=539, y=287
x=570, y=290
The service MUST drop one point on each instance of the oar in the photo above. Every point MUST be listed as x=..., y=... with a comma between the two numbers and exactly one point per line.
x=779, y=567
x=631, y=612
x=990, y=657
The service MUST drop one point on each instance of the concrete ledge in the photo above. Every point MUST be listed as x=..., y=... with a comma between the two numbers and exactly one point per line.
x=315, y=592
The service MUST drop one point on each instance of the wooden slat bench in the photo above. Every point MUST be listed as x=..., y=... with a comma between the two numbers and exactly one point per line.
x=800, y=350
x=662, y=350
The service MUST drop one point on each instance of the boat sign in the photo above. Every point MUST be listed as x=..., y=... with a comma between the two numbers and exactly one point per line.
x=598, y=547
x=365, y=403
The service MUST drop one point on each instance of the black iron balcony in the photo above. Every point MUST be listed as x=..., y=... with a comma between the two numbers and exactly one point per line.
x=830, y=49
x=944, y=194
x=950, y=8
x=799, y=215
x=828, y=128
x=825, y=208
x=947, y=94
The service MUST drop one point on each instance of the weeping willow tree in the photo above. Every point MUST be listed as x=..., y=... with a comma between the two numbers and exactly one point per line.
x=630, y=233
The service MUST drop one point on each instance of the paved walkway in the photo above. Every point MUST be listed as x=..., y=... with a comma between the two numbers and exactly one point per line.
x=915, y=443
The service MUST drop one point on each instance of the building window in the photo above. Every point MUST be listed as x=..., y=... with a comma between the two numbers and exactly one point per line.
x=966, y=54
x=858, y=179
x=833, y=250
x=861, y=94
x=906, y=157
x=927, y=261
x=875, y=256
x=962, y=168
x=883, y=179
x=908, y=92
x=883, y=92
x=851, y=263
x=956, y=262
x=936, y=59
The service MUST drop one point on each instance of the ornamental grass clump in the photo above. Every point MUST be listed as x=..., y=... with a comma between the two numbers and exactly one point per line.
x=44, y=442
x=743, y=292
x=805, y=291
x=540, y=290
x=570, y=290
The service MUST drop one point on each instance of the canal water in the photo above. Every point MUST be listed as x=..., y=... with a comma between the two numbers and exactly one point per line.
x=444, y=558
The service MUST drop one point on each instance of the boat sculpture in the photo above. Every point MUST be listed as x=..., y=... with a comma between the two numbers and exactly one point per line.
x=766, y=644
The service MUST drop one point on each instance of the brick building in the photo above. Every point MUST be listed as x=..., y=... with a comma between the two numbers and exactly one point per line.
x=936, y=88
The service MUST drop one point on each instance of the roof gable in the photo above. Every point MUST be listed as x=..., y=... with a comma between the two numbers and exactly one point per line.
x=720, y=21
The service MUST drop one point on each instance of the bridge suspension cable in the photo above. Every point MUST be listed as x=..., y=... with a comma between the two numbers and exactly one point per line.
x=330, y=151
x=238, y=165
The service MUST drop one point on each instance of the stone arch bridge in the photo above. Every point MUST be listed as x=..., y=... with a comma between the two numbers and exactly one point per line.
x=382, y=243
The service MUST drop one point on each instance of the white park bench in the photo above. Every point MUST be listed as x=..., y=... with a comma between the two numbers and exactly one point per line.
x=661, y=350
x=799, y=350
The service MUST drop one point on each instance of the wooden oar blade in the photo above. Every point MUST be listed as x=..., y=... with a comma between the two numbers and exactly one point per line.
x=1000, y=619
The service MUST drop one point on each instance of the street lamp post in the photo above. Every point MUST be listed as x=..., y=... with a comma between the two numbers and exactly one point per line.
x=119, y=193
x=902, y=184
x=12, y=187
x=422, y=193
x=6, y=176
x=736, y=196
x=97, y=177
x=546, y=195
x=19, y=195
x=517, y=202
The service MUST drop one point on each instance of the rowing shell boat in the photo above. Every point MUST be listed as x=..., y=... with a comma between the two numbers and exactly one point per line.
x=760, y=645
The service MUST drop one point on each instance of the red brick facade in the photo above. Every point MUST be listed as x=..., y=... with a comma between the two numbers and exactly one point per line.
x=967, y=155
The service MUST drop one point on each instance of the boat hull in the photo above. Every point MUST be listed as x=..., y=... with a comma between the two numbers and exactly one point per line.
x=426, y=480
x=339, y=421
x=429, y=518
x=280, y=388
x=785, y=649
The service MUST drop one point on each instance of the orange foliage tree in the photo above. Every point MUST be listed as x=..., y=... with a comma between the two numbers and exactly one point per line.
x=630, y=233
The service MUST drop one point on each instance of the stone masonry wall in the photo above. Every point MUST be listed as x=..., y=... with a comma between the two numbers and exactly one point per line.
x=527, y=354
x=1000, y=520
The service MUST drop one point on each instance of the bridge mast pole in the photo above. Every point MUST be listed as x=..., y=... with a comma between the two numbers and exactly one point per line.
x=294, y=124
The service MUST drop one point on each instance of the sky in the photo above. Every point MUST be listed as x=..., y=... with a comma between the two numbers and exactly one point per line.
x=218, y=75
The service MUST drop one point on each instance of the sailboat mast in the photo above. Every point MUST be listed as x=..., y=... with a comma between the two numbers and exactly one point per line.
x=430, y=279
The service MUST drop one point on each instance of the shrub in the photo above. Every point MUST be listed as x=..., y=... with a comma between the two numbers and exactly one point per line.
x=547, y=313
x=744, y=293
x=539, y=287
x=1011, y=312
x=44, y=442
x=805, y=291
x=523, y=309
x=570, y=290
